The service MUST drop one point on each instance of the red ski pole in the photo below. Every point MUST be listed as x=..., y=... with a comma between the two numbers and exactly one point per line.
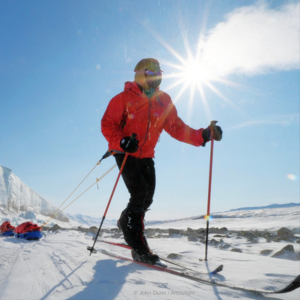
x=92, y=249
x=209, y=185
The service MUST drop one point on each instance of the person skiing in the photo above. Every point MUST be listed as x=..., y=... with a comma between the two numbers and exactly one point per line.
x=132, y=123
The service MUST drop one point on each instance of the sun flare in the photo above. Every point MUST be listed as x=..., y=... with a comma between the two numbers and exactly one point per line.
x=194, y=73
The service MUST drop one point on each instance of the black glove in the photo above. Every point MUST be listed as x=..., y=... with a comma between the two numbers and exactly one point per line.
x=129, y=143
x=212, y=130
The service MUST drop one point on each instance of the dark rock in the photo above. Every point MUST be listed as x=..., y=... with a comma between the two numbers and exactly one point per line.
x=93, y=229
x=266, y=252
x=173, y=231
x=214, y=242
x=216, y=230
x=193, y=234
x=289, y=248
x=116, y=235
x=287, y=252
x=55, y=227
x=236, y=250
x=224, y=246
x=192, y=239
x=201, y=231
x=219, y=236
x=174, y=256
x=285, y=234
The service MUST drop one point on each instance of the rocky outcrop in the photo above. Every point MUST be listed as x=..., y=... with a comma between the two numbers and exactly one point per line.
x=287, y=252
x=285, y=234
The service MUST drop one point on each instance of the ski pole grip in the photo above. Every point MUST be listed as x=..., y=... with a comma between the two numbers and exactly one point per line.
x=212, y=126
x=215, y=133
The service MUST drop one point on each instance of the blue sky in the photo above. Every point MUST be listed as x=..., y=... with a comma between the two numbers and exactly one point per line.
x=62, y=61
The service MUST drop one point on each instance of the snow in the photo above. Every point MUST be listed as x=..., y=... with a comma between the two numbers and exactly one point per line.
x=59, y=266
x=91, y=221
x=16, y=196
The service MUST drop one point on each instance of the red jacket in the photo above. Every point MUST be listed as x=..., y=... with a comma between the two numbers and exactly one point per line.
x=132, y=112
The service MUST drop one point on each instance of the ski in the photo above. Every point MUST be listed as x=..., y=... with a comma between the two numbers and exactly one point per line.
x=294, y=284
x=169, y=260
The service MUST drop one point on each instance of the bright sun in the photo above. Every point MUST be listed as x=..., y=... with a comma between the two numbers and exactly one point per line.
x=194, y=75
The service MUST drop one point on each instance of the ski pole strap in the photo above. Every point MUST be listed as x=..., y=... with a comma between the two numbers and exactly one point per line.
x=58, y=211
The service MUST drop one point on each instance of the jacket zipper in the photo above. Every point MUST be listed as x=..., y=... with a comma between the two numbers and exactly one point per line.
x=147, y=127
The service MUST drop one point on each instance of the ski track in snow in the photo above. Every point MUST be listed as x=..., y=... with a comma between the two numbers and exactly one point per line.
x=59, y=266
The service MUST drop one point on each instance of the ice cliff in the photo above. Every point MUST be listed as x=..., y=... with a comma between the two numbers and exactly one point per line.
x=16, y=196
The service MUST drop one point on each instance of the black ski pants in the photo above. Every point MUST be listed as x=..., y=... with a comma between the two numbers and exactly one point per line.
x=139, y=177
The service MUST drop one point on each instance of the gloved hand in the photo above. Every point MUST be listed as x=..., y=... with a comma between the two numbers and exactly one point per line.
x=129, y=143
x=212, y=131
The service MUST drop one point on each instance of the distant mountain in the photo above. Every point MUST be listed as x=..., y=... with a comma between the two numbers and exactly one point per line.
x=91, y=221
x=267, y=207
x=226, y=214
x=16, y=196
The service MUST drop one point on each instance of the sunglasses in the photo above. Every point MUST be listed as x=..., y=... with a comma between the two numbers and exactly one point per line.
x=151, y=73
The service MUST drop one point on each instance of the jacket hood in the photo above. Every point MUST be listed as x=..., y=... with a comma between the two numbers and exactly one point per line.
x=133, y=86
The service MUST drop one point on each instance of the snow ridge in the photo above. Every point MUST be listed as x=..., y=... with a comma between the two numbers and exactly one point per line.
x=16, y=196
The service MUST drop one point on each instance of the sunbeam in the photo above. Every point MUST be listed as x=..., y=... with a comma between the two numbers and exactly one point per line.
x=196, y=73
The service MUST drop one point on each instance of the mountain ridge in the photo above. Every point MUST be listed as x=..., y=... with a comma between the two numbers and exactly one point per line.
x=292, y=204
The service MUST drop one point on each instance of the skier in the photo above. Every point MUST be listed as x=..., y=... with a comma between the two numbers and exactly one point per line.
x=133, y=122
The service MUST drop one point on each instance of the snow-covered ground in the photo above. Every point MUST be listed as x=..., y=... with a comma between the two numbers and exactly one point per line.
x=59, y=266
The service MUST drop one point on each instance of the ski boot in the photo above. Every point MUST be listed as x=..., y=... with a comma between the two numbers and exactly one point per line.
x=131, y=222
x=148, y=258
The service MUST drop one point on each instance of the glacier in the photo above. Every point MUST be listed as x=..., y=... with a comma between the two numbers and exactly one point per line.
x=16, y=196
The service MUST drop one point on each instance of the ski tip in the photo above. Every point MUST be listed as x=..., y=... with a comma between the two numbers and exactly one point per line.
x=217, y=270
x=296, y=282
x=293, y=285
x=297, y=279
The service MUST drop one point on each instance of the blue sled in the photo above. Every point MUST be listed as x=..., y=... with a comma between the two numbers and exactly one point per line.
x=32, y=235
x=8, y=233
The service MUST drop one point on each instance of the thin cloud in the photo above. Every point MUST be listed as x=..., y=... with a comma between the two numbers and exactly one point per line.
x=283, y=120
x=253, y=40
